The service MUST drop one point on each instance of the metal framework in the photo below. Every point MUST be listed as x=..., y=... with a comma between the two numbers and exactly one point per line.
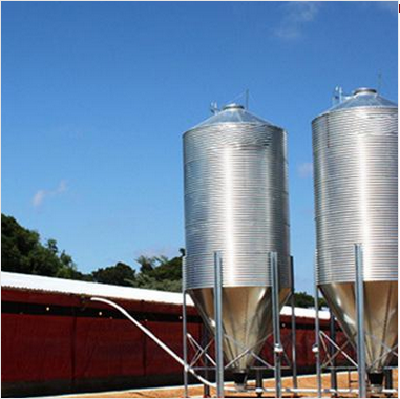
x=332, y=349
x=217, y=365
x=201, y=351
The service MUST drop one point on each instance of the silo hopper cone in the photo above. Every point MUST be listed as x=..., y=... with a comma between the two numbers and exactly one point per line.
x=247, y=321
x=380, y=319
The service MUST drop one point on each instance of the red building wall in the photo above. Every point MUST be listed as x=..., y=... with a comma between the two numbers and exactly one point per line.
x=54, y=343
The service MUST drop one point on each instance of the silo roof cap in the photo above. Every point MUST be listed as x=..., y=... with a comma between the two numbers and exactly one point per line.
x=233, y=106
x=365, y=91
x=363, y=97
x=233, y=113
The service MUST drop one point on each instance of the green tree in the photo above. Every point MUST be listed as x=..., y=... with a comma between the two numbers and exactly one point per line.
x=304, y=300
x=322, y=303
x=120, y=274
x=22, y=252
x=169, y=269
x=160, y=273
x=51, y=245
x=16, y=243
x=69, y=270
x=145, y=281
x=146, y=263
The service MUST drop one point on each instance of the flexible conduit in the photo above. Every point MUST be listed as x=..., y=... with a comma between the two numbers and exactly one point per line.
x=160, y=343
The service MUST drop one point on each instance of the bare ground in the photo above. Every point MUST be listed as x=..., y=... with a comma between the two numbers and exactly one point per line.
x=345, y=381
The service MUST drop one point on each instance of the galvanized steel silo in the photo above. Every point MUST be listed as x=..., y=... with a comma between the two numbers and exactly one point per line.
x=355, y=147
x=236, y=202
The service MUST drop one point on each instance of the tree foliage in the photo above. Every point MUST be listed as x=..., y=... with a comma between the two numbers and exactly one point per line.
x=146, y=263
x=304, y=300
x=22, y=252
x=120, y=274
x=159, y=273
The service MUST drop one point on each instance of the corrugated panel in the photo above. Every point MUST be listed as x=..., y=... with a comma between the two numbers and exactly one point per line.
x=52, y=284
x=356, y=182
x=16, y=281
x=236, y=201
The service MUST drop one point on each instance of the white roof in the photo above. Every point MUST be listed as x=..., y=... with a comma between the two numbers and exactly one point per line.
x=66, y=286
x=302, y=312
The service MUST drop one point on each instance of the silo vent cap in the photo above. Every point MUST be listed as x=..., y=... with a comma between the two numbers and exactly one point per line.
x=233, y=106
x=365, y=91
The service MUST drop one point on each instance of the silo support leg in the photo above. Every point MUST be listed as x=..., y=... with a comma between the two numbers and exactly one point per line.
x=275, y=321
x=316, y=348
x=219, y=333
x=293, y=322
x=185, y=350
x=362, y=391
x=388, y=381
x=332, y=326
x=259, y=383
x=206, y=392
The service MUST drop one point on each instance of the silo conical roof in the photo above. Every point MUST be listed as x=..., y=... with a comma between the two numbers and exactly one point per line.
x=233, y=113
x=362, y=97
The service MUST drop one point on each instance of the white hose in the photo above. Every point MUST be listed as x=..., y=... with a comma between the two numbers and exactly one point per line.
x=160, y=343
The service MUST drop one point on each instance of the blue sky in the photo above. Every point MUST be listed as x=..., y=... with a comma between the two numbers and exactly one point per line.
x=96, y=96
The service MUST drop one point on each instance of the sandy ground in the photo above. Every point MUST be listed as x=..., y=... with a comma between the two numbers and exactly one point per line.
x=345, y=381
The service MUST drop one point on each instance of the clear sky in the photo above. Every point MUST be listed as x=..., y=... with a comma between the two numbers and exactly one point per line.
x=96, y=96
